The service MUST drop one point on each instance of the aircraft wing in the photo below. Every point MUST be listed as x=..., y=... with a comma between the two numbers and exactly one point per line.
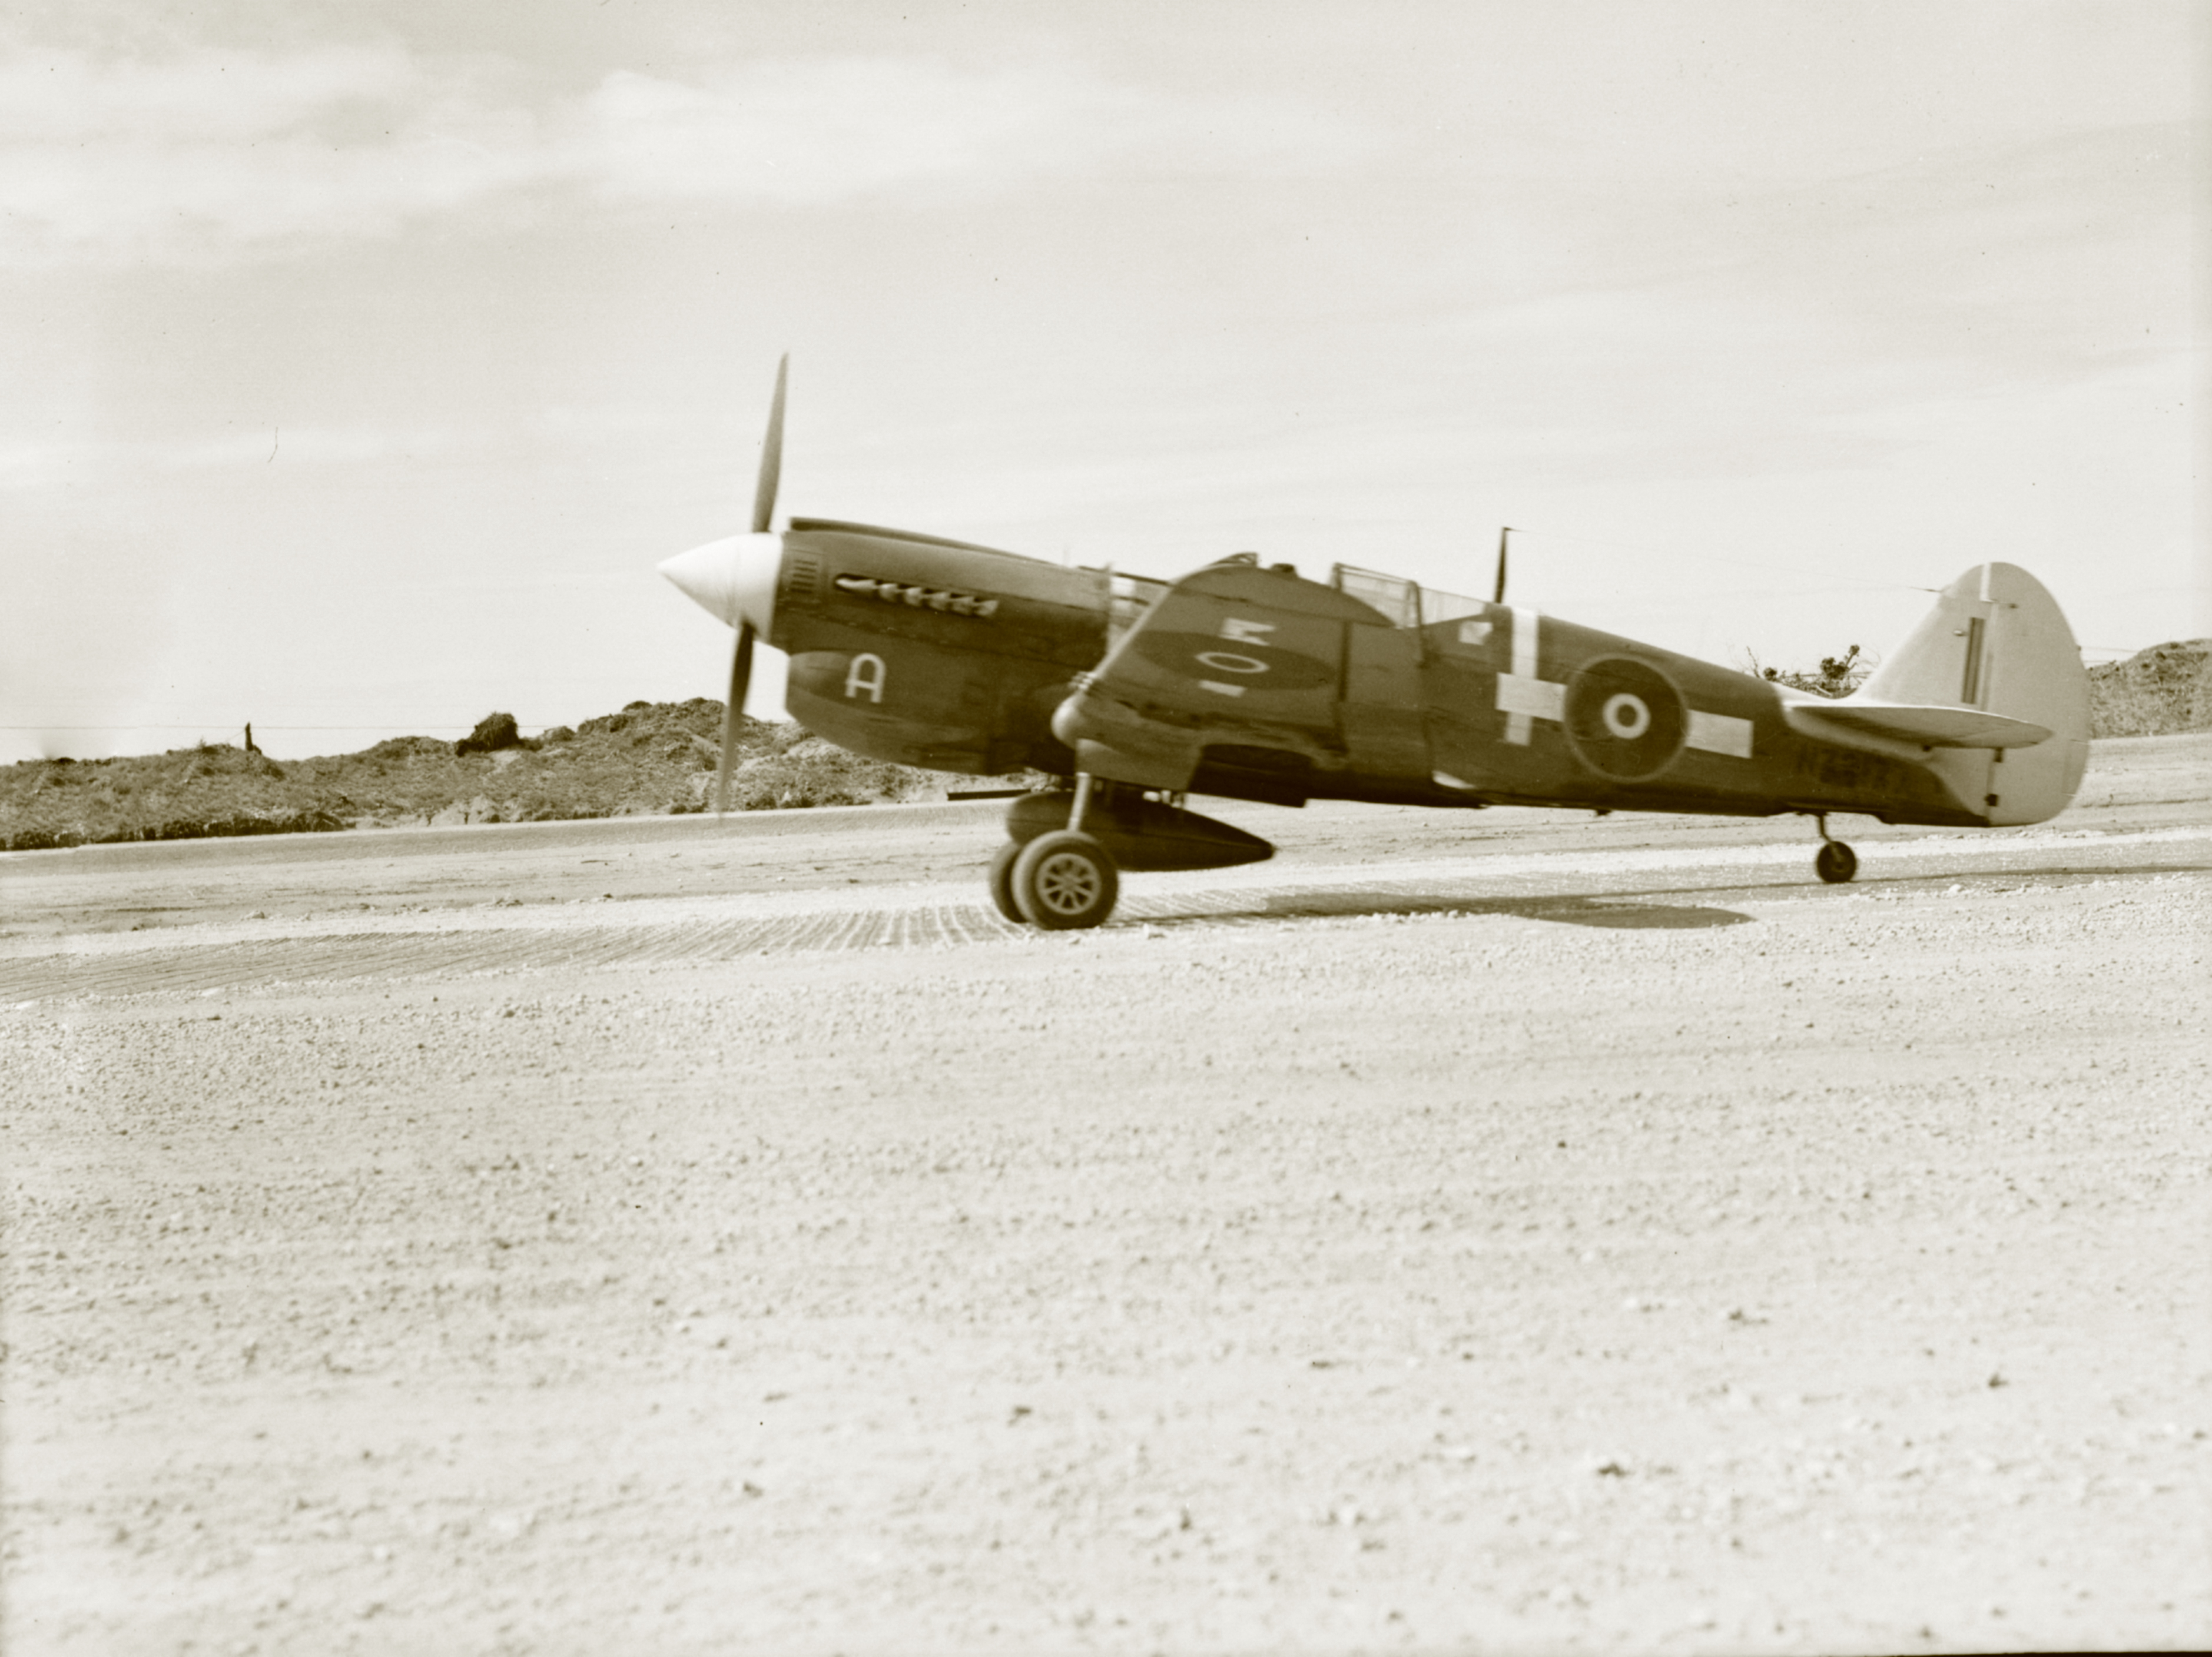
x=1926, y=725
x=1233, y=656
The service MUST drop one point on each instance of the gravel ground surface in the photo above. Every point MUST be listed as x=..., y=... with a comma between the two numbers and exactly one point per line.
x=1498, y=1231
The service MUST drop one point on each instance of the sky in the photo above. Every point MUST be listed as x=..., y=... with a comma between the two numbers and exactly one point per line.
x=358, y=364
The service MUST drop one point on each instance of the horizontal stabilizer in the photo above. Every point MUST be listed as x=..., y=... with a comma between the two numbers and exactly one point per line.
x=1929, y=724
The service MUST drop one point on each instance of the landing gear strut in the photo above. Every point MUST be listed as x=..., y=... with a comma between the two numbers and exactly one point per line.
x=1834, y=862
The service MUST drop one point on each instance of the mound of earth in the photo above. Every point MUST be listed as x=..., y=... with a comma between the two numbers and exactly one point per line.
x=2159, y=692
x=652, y=758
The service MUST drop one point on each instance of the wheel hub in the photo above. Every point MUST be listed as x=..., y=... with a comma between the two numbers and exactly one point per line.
x=1067, y=883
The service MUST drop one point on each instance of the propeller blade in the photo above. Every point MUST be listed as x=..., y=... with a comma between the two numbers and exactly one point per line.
x=726, y=574
x=741, y=673
x=771, y=471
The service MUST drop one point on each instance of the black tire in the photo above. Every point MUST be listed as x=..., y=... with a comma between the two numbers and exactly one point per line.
x=1835, y=862
x=1002, y=882
x=1065, y=881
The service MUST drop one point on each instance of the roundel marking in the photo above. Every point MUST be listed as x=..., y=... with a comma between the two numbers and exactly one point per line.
x=1625, y=718
x=1227, y=661
x=1188, y=654
x=1627, y=715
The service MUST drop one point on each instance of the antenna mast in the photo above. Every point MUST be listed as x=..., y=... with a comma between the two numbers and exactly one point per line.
x=1499, y=598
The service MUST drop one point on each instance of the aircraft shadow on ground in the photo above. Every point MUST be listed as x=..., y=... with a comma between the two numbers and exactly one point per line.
x=1616, y=913
x=1626, y=911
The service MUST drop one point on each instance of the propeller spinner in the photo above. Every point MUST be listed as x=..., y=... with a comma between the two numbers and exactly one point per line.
x=735, y=578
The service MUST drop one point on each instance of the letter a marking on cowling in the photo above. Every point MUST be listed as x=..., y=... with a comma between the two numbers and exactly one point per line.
x=865, y=673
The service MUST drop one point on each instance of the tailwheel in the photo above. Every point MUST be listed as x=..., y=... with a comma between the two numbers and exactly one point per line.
x=1835, y=862
x=1002, y=882
x=1064, y=881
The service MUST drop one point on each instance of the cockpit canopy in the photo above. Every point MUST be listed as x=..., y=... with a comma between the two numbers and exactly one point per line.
x=1408, y=603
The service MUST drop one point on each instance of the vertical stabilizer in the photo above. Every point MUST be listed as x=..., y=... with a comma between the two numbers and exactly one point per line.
x=1997, y=641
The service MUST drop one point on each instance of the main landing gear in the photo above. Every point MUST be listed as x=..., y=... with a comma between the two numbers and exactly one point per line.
x=1834, y=862
x=1060, y=869
x=1059, y=882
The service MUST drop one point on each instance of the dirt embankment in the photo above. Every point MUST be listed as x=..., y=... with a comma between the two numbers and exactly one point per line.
x=652, y=758
x=2159, y=692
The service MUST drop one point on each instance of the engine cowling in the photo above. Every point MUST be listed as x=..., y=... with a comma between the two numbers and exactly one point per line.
x=917, y=704
x=933, y=653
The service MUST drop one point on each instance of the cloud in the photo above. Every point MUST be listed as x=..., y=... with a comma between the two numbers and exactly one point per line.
x=46, y=465
x=210, y=154
x=65, y=97
x=829, y=131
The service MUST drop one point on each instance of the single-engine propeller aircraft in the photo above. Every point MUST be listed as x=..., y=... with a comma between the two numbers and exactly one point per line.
x=1245, y=681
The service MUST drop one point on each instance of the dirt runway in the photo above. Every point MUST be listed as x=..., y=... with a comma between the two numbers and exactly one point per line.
x=1498, y=1231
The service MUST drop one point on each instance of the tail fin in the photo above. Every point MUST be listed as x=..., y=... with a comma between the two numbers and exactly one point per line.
x=1997, y=641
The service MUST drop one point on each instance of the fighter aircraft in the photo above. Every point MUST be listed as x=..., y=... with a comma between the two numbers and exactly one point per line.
x=1244, y=680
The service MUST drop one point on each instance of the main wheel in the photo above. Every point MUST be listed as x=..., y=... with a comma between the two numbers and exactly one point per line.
x=1002, y=882
x=1835, y=862
x=1064, y=880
